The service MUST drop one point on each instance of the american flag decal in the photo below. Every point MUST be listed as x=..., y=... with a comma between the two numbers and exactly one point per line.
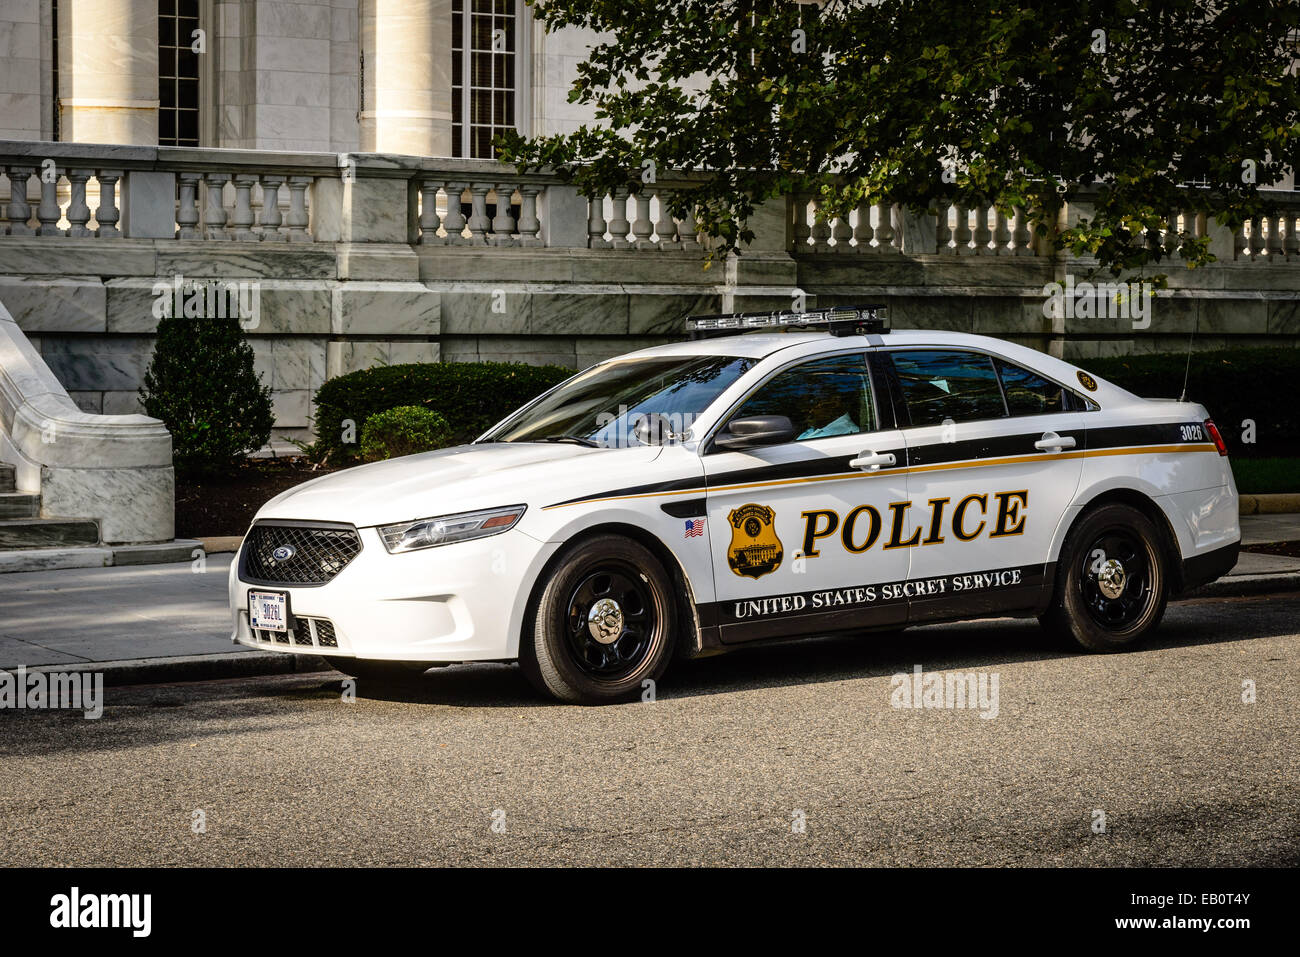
x=694, y=527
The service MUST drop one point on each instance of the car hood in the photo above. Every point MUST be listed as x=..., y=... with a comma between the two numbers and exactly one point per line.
x=459, y=479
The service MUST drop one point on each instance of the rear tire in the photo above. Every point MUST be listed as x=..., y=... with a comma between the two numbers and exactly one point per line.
x=604, y=622
x=1112, y=582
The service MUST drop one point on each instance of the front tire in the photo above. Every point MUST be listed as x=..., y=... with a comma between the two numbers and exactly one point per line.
x=1112, y=582
x=604, y=623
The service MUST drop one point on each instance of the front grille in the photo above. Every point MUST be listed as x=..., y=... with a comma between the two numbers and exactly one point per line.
x=308, y=632
x=317, y=553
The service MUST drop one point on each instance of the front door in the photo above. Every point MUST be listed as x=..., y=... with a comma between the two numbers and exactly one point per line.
x=799, y=535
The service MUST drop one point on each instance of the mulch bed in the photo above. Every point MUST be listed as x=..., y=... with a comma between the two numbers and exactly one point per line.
x=224, y=504
x=1289, y=549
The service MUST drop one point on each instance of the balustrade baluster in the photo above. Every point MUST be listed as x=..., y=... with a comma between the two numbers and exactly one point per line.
x=269, y=222
x=862, y=229
x=187, y=211
x=78, y=211
x=665, y=225
x=1274, y=238
x=1001, y=235
x=453, y=223
x=503, y=224
x=1291, y=244
x=619, y=227
x=479, y=223
x=885, y=234
x=19, y=210
x=298, y=218
x=1021, y=237
x=962, y=235
x=107, y=214
x=241, y=222
x=1256, y=245
x=842, y=232
x=214, y=211
x=529, y=226
x=48, y=212
x=429, y=219
x=642, y=227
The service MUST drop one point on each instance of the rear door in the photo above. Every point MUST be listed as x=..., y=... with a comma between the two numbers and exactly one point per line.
x=994, y=461
x=796, y=530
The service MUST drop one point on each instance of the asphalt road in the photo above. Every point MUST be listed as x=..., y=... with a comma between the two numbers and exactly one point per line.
x=718, y=770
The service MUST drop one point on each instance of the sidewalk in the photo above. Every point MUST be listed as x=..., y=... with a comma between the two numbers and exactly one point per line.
x=171, y=622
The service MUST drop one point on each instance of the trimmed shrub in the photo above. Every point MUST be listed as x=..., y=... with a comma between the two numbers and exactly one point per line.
x=1235, y=385
x=470, y=396
x=201, y=384
x=404, y=430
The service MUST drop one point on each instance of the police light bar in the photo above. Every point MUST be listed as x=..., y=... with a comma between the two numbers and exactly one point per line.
x=839, y=320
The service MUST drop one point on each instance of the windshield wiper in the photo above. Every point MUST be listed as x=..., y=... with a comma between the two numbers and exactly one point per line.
x=576, y=439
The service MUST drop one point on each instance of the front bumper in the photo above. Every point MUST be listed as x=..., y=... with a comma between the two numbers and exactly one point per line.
x=457, y=602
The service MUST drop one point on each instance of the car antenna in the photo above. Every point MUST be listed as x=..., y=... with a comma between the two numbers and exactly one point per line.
x=1187, y=370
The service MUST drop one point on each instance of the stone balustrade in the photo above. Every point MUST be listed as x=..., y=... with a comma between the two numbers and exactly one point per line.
x=360, y=259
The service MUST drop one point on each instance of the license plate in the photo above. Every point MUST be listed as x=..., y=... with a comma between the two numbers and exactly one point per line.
x=269, y=610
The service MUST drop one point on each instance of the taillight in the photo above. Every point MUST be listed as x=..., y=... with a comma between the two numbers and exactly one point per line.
x=1214, y=434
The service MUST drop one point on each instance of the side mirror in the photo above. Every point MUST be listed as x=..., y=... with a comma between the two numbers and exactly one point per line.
x=653, y=429
x=754, y=430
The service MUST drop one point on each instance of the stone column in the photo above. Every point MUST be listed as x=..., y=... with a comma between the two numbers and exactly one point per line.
x=108, y=71
x=406, y=91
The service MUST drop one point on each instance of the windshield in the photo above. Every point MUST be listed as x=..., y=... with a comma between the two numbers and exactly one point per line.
x=604, y=404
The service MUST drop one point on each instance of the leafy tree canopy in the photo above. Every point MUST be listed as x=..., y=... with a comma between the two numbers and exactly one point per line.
x=1023, y=103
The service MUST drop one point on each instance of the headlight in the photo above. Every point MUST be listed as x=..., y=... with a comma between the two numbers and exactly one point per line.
x=445, y=529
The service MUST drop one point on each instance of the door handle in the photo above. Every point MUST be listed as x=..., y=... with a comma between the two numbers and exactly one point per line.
x=870, y=461
x=1051, y=442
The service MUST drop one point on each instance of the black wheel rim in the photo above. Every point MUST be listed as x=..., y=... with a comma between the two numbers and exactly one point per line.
x=1116, y=579
x=618, y=641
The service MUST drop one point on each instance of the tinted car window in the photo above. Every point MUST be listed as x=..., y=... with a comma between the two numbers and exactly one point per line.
x=948, y=385
x=1028, y=393
x=822, y=398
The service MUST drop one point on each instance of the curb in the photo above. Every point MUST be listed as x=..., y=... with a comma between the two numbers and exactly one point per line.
x=1237, y=586
x=1274, y=504
x=142, y=671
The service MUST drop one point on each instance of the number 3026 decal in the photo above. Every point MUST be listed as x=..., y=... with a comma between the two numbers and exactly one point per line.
x=1192, y=433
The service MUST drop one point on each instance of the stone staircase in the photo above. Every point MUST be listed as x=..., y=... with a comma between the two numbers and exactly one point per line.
x=21, y=526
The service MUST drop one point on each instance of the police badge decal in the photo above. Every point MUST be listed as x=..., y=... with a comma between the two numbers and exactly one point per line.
x=754, y=550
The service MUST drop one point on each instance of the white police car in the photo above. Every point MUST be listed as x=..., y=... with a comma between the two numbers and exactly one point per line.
x=694, y=497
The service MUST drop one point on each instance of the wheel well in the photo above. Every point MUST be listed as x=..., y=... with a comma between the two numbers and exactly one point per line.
x=688, y=636
x=1147, y=506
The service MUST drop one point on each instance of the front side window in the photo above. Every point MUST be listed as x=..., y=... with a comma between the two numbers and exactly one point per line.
x=940, y=385
x=603, y=405
x=822, y=398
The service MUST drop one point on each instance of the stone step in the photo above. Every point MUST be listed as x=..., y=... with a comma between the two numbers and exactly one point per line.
x=47, y=533
x=6, y=478
x=19, y=505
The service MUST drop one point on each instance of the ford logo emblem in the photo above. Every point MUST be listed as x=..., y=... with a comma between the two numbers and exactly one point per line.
x=284, y=553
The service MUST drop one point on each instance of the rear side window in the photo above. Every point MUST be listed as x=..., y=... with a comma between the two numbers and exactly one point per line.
x=939, y=385
x=1028, y=393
